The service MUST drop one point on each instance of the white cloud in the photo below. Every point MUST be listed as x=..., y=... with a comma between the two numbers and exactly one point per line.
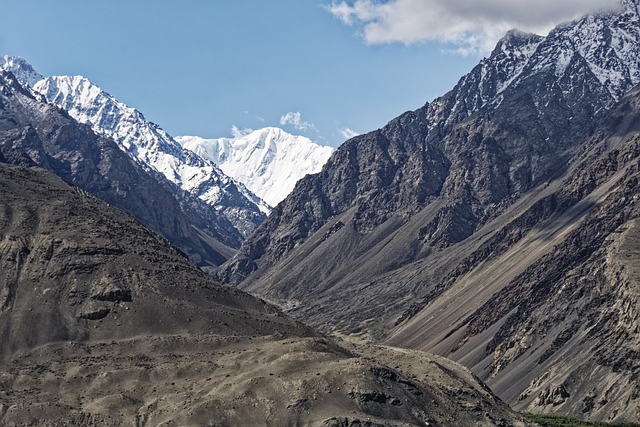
x=238, y=133
x=348, y=133
x=473, y=25
x=295, y=119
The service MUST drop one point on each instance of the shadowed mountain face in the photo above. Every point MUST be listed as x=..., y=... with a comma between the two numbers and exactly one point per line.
x=102, y=322
x=34, y=133
x=75, y=269
x=456, y=227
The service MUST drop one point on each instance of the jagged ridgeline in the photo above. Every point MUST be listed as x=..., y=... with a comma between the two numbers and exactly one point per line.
x=496, y=225
x=221, y=211
x=36, y=133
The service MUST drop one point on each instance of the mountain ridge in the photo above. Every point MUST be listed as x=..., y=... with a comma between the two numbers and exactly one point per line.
x=396, y=214
x=155, y=149
x=36, y=133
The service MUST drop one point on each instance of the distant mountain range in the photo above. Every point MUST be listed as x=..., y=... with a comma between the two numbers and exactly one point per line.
x=267, y=161
x=225, y=208
x=34, y=133
x=496, y=225
x=177, y=169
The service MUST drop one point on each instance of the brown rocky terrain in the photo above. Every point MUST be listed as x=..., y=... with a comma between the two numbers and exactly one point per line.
x=103, y=322
x=215, y=380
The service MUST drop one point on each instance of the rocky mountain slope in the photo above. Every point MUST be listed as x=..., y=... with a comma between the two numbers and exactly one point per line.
x=376, y=244
x=35, y=133
x=104, y=323
x=549, y=291
x=267, y=161
x=197, y=183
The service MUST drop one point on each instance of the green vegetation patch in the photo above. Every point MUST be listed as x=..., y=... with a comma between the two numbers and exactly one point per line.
x=559, y=421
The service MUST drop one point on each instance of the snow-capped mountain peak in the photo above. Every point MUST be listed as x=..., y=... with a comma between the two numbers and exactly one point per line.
x=20, y=68
x=148, y=143
x=603, y=48
x=268, y=161
x=182, y=171
x=89, y=104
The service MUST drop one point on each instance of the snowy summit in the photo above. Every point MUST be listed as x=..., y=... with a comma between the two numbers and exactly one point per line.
x=267, y=161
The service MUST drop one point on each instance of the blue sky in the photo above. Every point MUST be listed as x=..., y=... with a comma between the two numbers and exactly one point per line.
x=313, y=67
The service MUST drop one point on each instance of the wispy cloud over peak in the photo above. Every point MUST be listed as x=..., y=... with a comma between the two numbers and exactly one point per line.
x=295, y=119
x=348, y=133
x=239, y=133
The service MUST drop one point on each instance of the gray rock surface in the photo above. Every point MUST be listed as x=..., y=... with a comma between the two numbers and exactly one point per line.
x=547, y=299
